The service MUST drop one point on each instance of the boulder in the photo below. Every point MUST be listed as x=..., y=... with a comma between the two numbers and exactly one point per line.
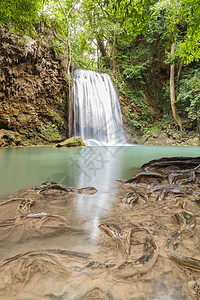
x=75, y=141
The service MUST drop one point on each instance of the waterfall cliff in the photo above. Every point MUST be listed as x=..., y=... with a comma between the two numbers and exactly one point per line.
x=96, y=113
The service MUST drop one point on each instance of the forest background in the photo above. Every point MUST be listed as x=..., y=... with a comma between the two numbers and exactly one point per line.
x=150, y=48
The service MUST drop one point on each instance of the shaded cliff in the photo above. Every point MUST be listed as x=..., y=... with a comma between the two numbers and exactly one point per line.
x=33, y=89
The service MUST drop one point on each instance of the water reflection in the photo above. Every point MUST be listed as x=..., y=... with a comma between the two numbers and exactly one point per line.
x=97, y=164
x=23, y=167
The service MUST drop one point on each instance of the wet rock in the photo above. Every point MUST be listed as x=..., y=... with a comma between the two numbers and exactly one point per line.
x=130, y=198
x=75, y=141
x=140, y=296
x=168, y=135
x=186, y=261
x=194, y=289
x=23, y=270
x=180, y=162
x=194, y=142
x=96, y=293
x=87, y=190
x=34, y=225
x=53, y=188
x=150, y=177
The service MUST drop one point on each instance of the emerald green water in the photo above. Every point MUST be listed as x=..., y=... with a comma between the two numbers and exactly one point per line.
x=91, y=166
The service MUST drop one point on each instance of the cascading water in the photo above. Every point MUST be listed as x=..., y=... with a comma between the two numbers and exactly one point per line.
x=96, y=113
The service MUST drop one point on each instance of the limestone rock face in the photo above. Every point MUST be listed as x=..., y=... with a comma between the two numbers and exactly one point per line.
x=32, y=90
x=9, y=138
x=75, y=141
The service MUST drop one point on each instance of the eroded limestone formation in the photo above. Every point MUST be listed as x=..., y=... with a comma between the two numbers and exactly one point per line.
x=32, y=90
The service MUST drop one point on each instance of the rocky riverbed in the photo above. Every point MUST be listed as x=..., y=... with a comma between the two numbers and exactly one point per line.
x=145, y=247
x=168, y=136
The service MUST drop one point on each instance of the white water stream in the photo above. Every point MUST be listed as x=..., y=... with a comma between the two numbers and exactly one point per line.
x=96, y=110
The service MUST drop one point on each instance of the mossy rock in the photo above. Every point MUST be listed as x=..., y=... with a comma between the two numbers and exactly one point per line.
x=194, y=142
x=75, y=141
x=9, y=138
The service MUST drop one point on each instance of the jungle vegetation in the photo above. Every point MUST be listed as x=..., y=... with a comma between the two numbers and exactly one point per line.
x=151, y=48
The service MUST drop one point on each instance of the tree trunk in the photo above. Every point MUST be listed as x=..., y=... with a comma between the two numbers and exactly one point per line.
x=69, y=133
x=114, y=43
x=172, y=90
x=113, y=52
x=103, y=52
x=198, y=119
x=68, y=35
x=178, y=75
x=68, y=64
x=69, y=112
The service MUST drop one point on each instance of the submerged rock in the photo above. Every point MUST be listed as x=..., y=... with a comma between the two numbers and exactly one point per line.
x=51, y=188
x=75, y=141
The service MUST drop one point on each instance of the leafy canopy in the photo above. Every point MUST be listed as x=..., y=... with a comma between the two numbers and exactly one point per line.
x=20, y=13
x=183, y=26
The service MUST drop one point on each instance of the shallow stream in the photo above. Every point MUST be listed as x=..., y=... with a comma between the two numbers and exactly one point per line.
x=95, y=166
x=94, y=270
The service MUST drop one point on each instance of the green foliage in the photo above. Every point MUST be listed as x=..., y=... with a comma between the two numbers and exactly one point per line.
x=189, y=94
x=137, y=71
x=140, y=115
x=183, y=26
x=171, y=58
x=21, y=13
x=51, y=132
x=57, y=46
x=189, y=49
x=132, y=15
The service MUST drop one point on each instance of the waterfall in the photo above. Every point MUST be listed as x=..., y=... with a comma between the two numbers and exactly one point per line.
x=96, y=113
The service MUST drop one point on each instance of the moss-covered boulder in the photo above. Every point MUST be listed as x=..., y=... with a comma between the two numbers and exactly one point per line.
x=75, y=141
